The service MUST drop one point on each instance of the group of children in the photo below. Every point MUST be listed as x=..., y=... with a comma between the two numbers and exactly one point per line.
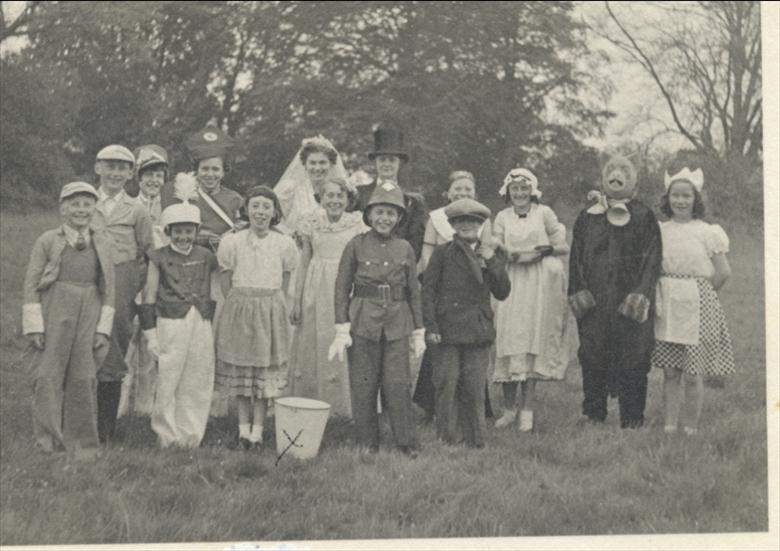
x=504, y=287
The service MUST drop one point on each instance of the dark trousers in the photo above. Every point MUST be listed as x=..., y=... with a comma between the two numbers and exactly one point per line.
x=114, y=368
x=374, y=365
x=459, y=373
x=628, y=382
x=108, y=394
x=424, y=391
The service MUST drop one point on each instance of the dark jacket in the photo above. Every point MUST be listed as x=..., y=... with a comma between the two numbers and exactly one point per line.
x=456, y=305
x=612, y=262
x=412, y=225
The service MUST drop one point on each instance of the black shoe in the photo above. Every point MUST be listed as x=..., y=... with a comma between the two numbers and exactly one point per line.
x=257, y=446
x=408, y=451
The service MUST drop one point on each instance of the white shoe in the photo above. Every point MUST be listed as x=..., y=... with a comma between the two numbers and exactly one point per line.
x=526, y=420
x=507, y=418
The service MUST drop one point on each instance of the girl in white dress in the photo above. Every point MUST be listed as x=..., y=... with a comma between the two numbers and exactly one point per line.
x=536, y=334
x=324, y=233
x=252, y=332
x=692, y=336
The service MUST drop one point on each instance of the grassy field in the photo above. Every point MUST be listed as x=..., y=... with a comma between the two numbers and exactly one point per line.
x=561, y=480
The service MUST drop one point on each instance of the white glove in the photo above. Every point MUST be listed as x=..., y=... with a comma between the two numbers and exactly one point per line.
x=341, y=342
x=418, y=342
x=151, y=342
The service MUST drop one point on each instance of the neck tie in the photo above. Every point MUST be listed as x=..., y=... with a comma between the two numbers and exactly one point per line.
x=81, y=243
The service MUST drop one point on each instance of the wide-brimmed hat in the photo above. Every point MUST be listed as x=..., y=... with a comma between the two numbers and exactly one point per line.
x=389, y=140
x=209, y=142
x=386, y=194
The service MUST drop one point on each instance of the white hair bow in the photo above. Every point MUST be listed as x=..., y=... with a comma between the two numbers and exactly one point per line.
x=519, y=175
x=695, y=178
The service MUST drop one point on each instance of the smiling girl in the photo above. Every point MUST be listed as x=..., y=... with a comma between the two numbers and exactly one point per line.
x=535, y=333
x=324, y=234
x=692, y=337
x=252, y=332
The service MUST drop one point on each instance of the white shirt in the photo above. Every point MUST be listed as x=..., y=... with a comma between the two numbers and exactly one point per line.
x=107, y=202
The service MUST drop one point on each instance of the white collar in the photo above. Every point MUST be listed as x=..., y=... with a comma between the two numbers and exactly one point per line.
x=182, y=251
x=72, y=235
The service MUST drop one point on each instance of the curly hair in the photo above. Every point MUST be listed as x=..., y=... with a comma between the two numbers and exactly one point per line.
x=698, y=204
x=317, y=147
x=342, y=183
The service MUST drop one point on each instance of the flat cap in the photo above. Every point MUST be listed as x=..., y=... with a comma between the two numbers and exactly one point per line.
x=116, y=152
x=74, y=188
x=467, y=207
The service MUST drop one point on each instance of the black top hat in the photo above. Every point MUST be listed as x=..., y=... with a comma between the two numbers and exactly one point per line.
x=389, y=140
x=209, y=142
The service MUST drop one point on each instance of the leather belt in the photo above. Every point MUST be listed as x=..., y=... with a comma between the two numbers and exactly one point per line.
x=386, y=293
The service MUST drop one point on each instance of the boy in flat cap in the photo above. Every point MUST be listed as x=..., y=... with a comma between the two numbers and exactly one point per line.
x=457, y=284
x=129, y=227
x=67, y=316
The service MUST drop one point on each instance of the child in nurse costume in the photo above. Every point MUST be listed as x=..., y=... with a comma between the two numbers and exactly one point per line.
x=67, y=317
x=691, y=335
x=176, y=319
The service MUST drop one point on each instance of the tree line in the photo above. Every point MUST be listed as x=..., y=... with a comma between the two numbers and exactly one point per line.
x=477, y=86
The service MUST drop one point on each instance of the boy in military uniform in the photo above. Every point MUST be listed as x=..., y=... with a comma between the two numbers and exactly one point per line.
x=377, y=300
x=129, y=226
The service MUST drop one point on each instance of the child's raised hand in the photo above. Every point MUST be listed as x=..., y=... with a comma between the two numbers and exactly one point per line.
x=37, y=340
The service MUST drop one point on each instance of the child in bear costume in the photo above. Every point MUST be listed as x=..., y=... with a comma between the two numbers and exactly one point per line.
x=614, y=265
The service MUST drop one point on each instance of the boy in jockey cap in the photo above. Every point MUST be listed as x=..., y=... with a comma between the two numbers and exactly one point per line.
x=129, y=226
x=176, y=318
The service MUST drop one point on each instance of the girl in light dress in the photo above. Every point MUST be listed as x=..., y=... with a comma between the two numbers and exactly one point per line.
x=252, y=332
x=692, y=336
x=324, y=233
x=536, y=334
